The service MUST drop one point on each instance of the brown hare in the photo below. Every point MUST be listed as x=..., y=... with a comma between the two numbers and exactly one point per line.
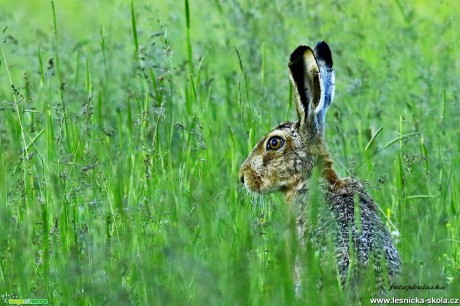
x=284, y=159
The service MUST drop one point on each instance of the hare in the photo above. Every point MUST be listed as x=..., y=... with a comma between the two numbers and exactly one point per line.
x=284, y=159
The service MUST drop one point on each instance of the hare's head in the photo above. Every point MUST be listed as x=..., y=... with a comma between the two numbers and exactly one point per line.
x=284, y=158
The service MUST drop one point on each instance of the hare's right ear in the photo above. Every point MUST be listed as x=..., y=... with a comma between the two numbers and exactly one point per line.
x=324, y=59
x=305, y=78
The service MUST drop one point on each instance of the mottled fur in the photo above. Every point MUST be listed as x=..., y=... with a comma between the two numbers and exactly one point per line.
x=349, y=215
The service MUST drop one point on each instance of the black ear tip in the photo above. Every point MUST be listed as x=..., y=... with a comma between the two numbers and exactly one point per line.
x=298, y=52
x=323, y=51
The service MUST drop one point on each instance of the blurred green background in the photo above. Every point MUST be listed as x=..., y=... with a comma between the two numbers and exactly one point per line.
x=123, y=125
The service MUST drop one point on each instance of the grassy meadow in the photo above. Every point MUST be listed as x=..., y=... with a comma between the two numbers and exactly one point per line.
x=123, y=126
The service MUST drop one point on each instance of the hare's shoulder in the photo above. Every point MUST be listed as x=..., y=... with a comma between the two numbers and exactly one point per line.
x=344, y=195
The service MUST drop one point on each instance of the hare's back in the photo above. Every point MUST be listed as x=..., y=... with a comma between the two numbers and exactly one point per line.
x=355, y=215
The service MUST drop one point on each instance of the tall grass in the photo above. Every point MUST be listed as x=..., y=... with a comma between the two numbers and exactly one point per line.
x=122, y=129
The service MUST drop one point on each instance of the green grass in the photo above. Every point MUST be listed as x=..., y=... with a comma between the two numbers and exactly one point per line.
x=122, y=128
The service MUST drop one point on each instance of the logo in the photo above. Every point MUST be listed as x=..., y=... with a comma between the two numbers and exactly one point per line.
x=13, y=299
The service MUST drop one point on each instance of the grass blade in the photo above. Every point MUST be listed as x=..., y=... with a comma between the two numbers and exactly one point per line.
x=369, y=144
x=400, y=138
x=134, y=29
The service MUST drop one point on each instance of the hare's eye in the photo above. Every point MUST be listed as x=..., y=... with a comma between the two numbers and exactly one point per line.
x=275, y=143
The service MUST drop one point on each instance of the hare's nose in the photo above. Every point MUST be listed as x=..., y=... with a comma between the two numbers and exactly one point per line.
x=242, y=178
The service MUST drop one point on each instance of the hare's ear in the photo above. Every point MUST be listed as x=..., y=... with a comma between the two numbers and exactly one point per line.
x=324, y=59
x=305, y=78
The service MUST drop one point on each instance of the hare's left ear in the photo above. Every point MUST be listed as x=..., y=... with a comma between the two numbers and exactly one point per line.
x=306, y=83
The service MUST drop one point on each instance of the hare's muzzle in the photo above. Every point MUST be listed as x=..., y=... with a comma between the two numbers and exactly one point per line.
x=248, y=176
